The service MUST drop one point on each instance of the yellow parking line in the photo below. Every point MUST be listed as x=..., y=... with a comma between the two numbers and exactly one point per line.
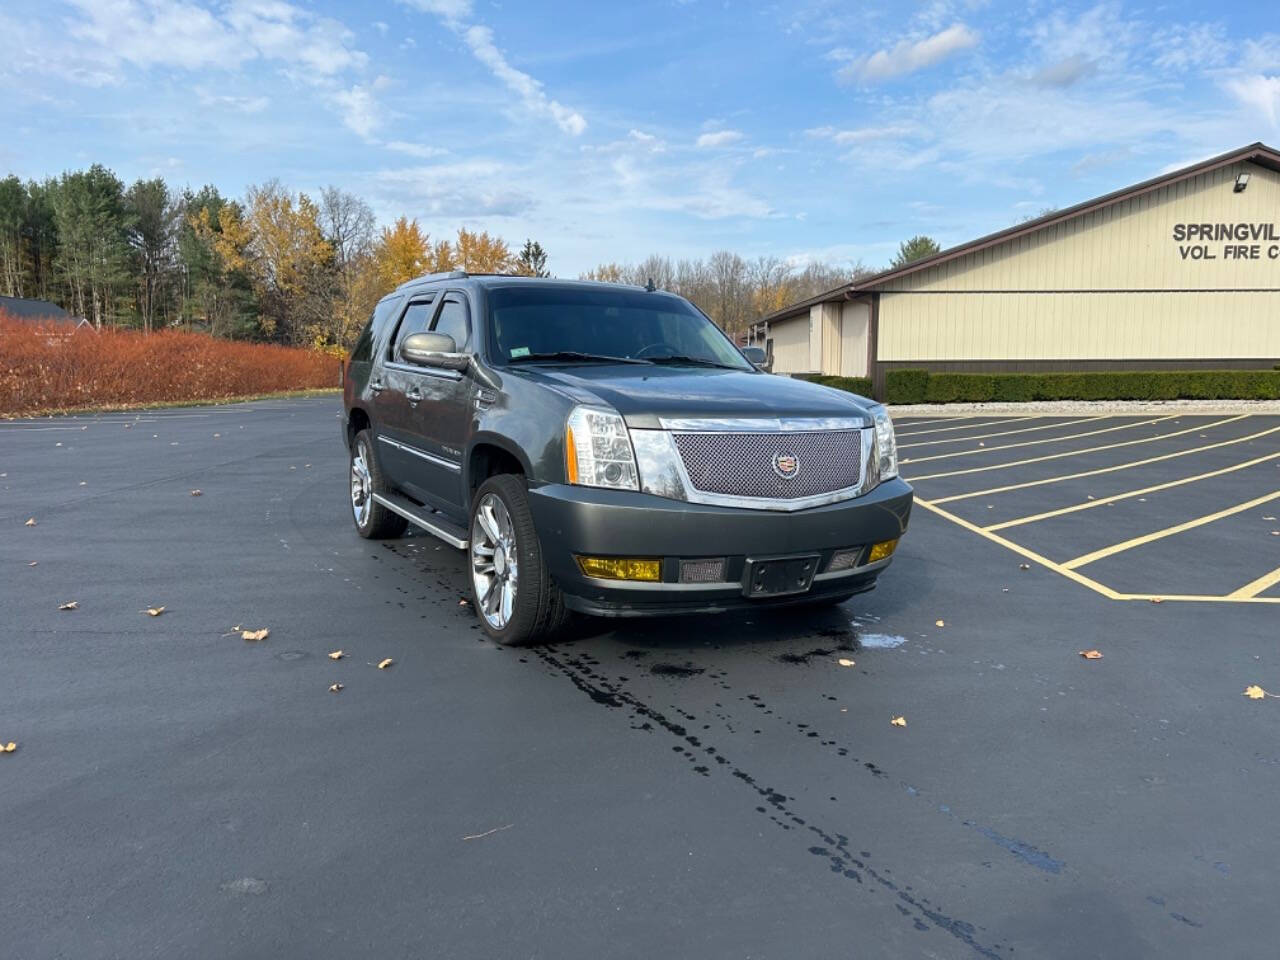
x=1002, y=433
x=1094, y=585
x=1036, y=443
x=1112, y=469
x=1090, y=504
x=963, y=426
x=1019, y=549
x=1076, y=453
x=1257, y=586
x=1169, y=531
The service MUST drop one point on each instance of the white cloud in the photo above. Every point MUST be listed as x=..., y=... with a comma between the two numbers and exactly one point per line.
x=360, y=110
x=860, y=135
x=381, y=26
x=421, y=150
x=718, y=138
x=464, y=190
x=451, y=10
x=1065, y=72
x=178, y=34
x=909, y=56
x=231, y=102
x=1260, y=92
x=529, y=90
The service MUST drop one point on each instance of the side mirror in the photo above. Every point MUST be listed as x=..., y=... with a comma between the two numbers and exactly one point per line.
x=757, y=356
x=434, y=350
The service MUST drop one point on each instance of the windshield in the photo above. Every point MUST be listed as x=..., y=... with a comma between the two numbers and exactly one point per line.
x=567, y=324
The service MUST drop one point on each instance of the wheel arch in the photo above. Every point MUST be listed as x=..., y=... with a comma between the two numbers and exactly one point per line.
x=492, y=454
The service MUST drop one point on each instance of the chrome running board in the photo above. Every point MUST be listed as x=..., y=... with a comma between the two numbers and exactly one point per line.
x=434, y=523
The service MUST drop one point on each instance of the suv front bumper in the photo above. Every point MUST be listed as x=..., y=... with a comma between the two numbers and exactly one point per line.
x=586, y=521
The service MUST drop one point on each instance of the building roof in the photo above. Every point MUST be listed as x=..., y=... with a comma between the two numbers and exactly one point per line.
x=1258, y=153
x=35, y=311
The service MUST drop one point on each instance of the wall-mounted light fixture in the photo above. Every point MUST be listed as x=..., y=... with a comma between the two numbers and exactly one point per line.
x=1242, y=181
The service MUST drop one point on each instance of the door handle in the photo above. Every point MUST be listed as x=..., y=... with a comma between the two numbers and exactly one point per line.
x=376, y=386
x=413, y=396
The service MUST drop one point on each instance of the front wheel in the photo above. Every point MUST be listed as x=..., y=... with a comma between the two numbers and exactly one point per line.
x=373, y=520
x=512, y=591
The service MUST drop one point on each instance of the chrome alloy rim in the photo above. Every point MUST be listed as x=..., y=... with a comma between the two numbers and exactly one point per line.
x=361, y=486
x=494, y=563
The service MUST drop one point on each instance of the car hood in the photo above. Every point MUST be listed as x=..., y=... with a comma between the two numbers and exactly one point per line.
x=643, y=394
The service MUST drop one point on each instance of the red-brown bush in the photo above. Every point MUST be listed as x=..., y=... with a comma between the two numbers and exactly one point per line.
x=47, y=368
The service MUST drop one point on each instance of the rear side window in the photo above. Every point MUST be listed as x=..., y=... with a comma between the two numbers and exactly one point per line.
x=416, y=320
x=453, y=320
x=374, y=329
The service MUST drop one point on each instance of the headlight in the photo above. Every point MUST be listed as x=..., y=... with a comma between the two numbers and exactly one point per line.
x=597, y=450
x=657, y=459
x=886, y=445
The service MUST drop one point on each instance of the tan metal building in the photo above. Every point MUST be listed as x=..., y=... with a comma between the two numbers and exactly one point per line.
x=1179, y=272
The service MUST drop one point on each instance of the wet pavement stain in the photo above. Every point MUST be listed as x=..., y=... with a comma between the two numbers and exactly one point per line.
x=834, y=848
x=675, y=670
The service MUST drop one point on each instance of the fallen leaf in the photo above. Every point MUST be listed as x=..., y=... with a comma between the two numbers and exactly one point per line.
x=464, y=603
x=69, y=605
x=845, y=663
x=8, y=747
x=197, y=493
x=385, y=663
x=1024, y=566
x=1157, y=600
x=30, y=523
x=1268, y=518
x=1091, y=654
x=337, y=655
x=33, y=563
x=335, y=688
x=153, y=611
x=898, y=722
x=255, y=634
x=939, y=623
x=1255, y=692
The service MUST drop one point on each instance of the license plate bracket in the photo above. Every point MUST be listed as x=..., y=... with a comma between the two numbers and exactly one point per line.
x=778, y=576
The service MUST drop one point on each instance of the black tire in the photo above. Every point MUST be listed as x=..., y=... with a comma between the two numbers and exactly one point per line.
x=376, y=522
x=537, y=612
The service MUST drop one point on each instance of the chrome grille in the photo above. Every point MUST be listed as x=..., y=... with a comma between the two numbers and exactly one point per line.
x=742, y=464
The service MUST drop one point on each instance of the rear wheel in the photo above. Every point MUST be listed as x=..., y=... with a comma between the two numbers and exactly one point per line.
x=512, y=591
x=373, y=520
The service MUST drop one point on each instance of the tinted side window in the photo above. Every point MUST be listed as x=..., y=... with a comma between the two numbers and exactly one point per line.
x=374, y=329
x=453, y=320
x=416, y=319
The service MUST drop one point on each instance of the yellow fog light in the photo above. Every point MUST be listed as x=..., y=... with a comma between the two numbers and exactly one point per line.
x=882, y=549
x=621, y=568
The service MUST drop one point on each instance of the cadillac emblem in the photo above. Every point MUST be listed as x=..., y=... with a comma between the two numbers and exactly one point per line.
x=786, y=465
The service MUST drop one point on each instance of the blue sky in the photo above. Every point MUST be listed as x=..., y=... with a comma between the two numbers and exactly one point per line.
x=609, y=131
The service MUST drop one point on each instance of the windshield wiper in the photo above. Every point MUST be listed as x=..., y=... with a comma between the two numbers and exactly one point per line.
x=696, y=361
x=574, y=356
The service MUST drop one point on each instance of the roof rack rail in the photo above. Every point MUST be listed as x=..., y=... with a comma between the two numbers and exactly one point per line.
x=429, y=277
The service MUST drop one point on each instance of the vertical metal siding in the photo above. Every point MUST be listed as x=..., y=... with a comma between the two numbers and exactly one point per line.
x=1104, y=285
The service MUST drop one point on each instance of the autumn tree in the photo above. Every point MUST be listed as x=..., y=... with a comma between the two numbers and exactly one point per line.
x=290, y=261
x=348, y=225
x=401, y=254
x=481, y=253
x=917, y=248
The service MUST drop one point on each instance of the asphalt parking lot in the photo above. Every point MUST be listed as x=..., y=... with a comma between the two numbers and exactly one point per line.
x=709, y=787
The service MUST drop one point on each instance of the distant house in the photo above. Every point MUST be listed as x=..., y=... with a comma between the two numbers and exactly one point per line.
x=41, y=313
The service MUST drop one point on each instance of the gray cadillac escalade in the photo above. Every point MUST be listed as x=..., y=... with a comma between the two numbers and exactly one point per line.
x=606, y=449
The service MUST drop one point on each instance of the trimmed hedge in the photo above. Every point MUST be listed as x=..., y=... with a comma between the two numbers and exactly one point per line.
x=921, y=386
x=860, y=385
